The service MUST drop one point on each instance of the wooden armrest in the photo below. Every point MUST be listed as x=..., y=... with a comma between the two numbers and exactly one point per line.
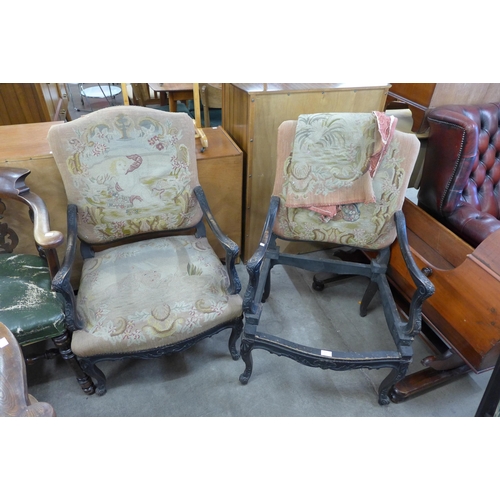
x=13, y=186
x=198, y=132
x=230, y=247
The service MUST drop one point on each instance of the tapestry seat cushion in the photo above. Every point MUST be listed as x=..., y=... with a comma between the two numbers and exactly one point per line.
x=28, y=306
x=150, y=294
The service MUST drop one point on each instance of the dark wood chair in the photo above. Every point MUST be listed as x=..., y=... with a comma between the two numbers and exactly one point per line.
x=211, y=100
x=29, y=307
x=371, y=225
x=143, y=96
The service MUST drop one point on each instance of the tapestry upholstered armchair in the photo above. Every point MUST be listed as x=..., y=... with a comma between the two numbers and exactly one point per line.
x=461, y=173
x=151, y=283
x=341, y=179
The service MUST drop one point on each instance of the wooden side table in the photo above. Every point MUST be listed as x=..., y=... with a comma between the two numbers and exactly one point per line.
x=174, y=91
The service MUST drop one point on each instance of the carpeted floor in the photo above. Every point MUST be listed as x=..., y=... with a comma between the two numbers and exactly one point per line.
x=203, y=380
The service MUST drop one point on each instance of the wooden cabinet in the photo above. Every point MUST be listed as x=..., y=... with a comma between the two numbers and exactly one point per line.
x=420, y=97
x=32, y=102
x=252, y=113
x=220, y=172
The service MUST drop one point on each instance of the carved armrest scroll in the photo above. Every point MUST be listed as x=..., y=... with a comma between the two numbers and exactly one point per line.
x=13, y=186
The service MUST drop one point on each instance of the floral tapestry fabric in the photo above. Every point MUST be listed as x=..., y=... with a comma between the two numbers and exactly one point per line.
x=334, y=158
x=149, y=294
x=363, y=225
x=128, y=172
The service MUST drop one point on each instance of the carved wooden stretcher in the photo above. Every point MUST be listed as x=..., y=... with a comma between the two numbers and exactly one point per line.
x=464, y=310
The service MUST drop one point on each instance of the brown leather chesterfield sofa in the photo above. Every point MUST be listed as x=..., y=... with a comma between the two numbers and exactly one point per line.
x=460, y=183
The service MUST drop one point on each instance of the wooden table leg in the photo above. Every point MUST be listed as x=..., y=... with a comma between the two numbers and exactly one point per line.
x=172, y=102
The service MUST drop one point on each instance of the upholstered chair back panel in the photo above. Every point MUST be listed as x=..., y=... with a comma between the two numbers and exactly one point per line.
x=128, y=172
x=363, y=225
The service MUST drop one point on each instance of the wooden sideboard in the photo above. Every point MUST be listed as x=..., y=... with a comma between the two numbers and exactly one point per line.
x=420, y=97
x=252, y=113
x=220, y=172
x=32, y=102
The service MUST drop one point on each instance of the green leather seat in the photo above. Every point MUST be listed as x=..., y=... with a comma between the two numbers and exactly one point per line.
x=28, y=306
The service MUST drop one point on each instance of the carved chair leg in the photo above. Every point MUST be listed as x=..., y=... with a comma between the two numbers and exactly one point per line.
x=370, y=292
x=246, y=355
x=63, y=344
x=91, y=368
x=235, y=335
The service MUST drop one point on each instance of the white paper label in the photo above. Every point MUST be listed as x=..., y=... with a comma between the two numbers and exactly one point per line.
x=3, y=342
x=326, y=353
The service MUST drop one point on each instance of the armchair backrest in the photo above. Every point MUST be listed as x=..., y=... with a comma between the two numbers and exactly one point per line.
x=461, y=171
x=142, y=95
x=362, y=225
x=211, y=97
x=129, y=170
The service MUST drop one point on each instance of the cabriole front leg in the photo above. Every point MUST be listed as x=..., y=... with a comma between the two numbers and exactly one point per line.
x=63, y=344
x=246, y=355
x=397, y=373
x=90, y=368
x=235, y=335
